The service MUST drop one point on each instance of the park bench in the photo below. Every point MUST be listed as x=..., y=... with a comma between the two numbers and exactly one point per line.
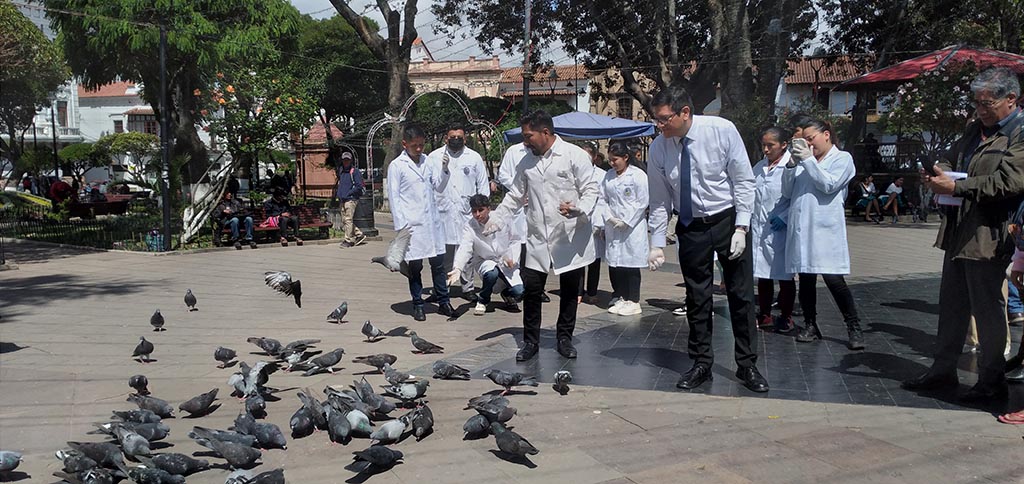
x=89, y=210
x=309, y=218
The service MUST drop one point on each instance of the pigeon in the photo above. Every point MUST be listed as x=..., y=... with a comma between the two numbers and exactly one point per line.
x=374, y=402
x=377, y=457
x=9, y=460
x=301, y=423
x=338, y=315
x=359, y=422
x=149, y=431
x=190, y=300
x=224, y=355
x=314, y=408
x=268, y=435
x=104, y=453
x=511, y=442
x=249, y=381
x=96, y=475
x=562, y=379
x=486, y=399
x=199, y=405
x=447, y=371
x=509, y=380
x=407, y=391
x=424, y=346
x=132, y=443
x=157, y=320
x=298, y=346
x=338, y=428
x=391, y=431
x=224, y=436
x=476, y=426
x=495, y=412
x=140, y=384
x=371, y=332
x=256, y=406
x=74, y=461
x=394, y=376
x=275, y=476
x=147, y=475
x=138, y=416
x=179, y=464
x=153, y=404
x=394, y=258
x=269, y=346
x=324, y=362
x=143, y=350
x=377, y=361
x=238, y=456
x=422, y=421
x=282, y=282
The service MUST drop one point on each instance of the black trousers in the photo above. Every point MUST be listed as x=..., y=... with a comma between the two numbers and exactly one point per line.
x=697, y=243
x=568, y=287
x=836, y=285
x=625, y=282
x=283, y=223
x=588, y=284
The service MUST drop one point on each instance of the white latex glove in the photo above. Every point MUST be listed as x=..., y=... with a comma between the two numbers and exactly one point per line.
x=800, y=151
x=490, y=228
x=615, y=222
x=656, y=258
x=738, y=244
x=454, y=276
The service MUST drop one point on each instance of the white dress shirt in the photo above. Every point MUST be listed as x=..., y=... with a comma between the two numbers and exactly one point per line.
x=468, y=177
x=720, y=174
x=506, y=172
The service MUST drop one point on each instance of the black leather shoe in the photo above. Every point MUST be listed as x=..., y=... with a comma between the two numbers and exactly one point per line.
x=566, y=349
x=1015, y=319
x=470, y=296
x=446, y=309
x=752, y=379
x=698, y=374
x=417, y=313
x=1016, y=376
x=544, y=297
x=527, y=352
x=985, y=393
x=930, y=381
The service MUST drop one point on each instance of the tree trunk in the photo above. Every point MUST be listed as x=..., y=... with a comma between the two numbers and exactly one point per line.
x=738, y=85
x=772, y=67
x=398, y=93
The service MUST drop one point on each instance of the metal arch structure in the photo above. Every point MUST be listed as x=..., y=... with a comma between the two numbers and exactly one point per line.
x=389, y=119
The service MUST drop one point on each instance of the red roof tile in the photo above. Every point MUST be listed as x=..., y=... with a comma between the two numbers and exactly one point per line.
x=515, y=74
x=114, y=89
x=801, y=70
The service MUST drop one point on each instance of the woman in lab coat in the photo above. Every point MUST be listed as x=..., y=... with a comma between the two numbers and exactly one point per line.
x=624, y=188
x=588, y=290
x=815, y=183
x=770, y=245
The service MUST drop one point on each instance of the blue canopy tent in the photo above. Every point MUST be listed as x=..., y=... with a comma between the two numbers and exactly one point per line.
x=580, y=125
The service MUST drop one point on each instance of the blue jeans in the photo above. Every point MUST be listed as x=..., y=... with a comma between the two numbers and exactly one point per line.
x=1013, y=302
x=436, y=274
x=232, y=223
x=490, y=278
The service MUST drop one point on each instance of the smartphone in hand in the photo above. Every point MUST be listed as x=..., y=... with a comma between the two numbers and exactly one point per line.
x=927, y=165
x=797, y=142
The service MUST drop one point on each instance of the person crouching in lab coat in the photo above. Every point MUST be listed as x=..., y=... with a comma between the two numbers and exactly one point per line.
x=497, y=256
x=769, y=244
x=815, y=183
x=624, y=188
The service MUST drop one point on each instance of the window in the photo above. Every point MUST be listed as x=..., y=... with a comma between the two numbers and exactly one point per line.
x=119, y=126
x=824, y=95
x=62, y=113
x=150, y=127
x=625, y=107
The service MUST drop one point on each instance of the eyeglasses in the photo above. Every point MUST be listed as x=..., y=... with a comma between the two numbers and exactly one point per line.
x=986, y=103
x=664, y=121
x=811, y=139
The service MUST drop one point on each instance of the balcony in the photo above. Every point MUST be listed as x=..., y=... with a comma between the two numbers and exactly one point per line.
x=62, y=131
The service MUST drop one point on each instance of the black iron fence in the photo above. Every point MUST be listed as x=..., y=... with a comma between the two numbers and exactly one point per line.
x=126, y=232
x=900, y=157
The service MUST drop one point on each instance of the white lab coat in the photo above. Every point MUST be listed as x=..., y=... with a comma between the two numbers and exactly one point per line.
x=598, y=217
x=468, y=177
x=769, y=246
x=490, y=250
x=506, y=172
x=412, y=190
x=816, y=224
x=553, y=241
x=627, y=199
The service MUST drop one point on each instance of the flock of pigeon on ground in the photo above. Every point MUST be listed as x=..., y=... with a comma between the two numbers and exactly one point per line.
x=347, y=413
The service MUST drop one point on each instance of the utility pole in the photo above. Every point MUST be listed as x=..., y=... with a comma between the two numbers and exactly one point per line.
x=165, y=146
x=526, y=58
x=53, y=129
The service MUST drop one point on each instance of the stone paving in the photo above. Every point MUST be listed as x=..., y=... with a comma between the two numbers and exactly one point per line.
x=70, y=319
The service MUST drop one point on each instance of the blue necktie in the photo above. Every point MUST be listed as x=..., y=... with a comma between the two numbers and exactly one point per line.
x=685, y=199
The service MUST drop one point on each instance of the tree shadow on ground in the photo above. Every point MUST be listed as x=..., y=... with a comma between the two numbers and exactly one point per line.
x=914, y=305
x=26, y=252
x=49, y=289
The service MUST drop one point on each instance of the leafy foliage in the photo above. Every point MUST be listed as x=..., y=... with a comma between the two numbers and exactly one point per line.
x=933, y=108
x=80, y=157
x=137, y=152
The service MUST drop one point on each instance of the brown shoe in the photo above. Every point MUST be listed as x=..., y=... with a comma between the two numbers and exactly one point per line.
x=284, y=242
x=298, y=241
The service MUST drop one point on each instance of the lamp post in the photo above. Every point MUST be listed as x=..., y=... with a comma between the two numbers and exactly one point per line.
x=53, y=128
x=553, y=80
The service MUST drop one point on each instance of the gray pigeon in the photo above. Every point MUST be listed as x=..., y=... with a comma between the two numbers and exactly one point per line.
x=104, y=453
x=74, y=461
x=298, y=346
x=238, y=456
x=179, y=464
x=376, y=457
x=391, y=431
x=147, y=475
x=374, y=402
x=149, y=431
x=562, y=379
x=140, y=384
x=143, y=350
x=256, y=406
x=509, y=380
x=477, y=425
x=338, y=428
x=282, y=282
x=314, y=407
x=224, y=355
x=190, y=300
x=139, y=416
x=338, y=315
x=325, y=362
x=424, y=346
x=223, y=436
x=9, y=460
x=495, y=412
x=269, y=346
x=153, y=404
x=157, y=320
x=97, y=475
x=301, y=423
x=132, y=443
x=487, y=399
x=408, y=392
x=422, y=421
x=394, y=258
x=511, y=442
x=394, y=376
x=448, y=371
x=199, y=405
x=377, y=361
x=268, y=435
x=371, y=332
x=275, y=476
x=359, y=422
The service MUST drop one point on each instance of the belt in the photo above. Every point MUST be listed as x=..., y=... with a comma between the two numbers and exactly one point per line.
x=707, y=220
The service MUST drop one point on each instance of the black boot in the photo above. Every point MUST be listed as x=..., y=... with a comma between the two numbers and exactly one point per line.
x=809, y=332
x=856, y=341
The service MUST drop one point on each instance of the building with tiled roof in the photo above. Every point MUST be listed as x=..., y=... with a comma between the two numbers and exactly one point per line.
x=569, y=83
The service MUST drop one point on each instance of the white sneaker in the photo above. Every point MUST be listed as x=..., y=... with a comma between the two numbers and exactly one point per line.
x=480, y=309
x=616, y=306
x=630, y=308
x=679, y=311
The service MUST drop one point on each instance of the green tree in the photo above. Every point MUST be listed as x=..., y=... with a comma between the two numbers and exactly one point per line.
x=32, y=69
x=109, y=40
x=138, y=153
x=80, y=157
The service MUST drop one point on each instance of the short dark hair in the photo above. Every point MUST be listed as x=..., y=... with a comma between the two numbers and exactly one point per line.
x=674, y=96
x=479, y=201
x=412, y=131
x=538, y=120
x=798, y=120
x=780, y=134
x=816, y=123
x=455, y=127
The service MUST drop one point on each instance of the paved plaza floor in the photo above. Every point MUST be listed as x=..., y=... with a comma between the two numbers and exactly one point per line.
x=71, y=318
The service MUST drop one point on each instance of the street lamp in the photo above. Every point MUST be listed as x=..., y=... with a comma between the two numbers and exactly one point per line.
x=553, y=80
x=53, y=128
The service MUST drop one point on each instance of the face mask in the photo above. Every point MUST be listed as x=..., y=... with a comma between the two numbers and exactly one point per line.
x=456, y=144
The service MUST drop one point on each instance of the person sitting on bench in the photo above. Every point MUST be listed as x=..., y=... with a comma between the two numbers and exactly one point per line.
x=280, y=211
x=230, y=214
